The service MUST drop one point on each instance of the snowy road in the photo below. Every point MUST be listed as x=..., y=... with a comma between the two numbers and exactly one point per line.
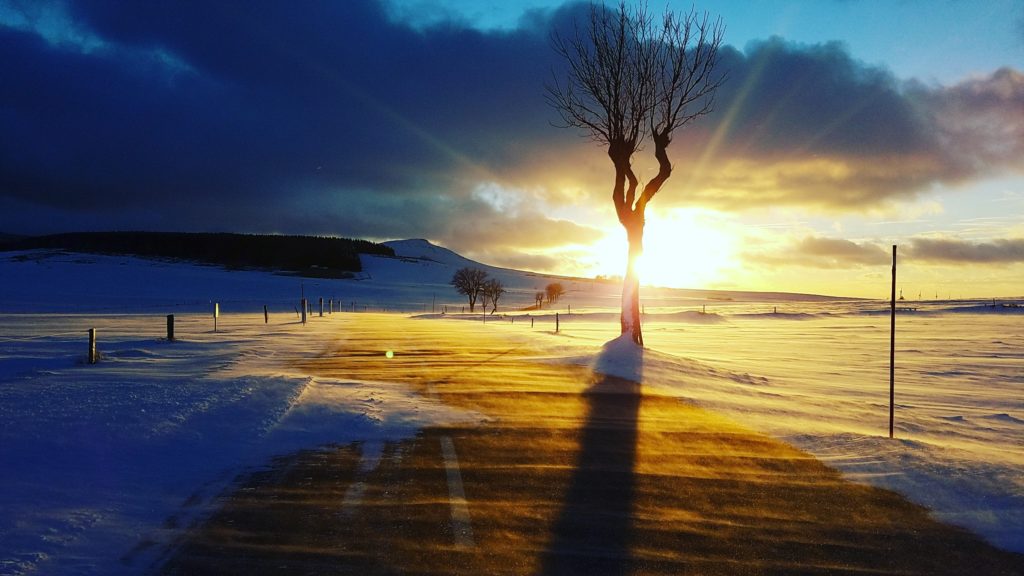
x=570, y=472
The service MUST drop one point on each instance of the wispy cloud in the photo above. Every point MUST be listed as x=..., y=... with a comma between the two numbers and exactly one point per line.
x=816, y=252
x=956, y=251
x=835, y=253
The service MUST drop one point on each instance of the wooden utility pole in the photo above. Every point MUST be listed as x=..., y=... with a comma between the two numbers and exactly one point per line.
x=892, y=344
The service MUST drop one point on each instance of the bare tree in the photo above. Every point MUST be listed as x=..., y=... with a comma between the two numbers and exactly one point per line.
x=632, y=77
x=539, y=298
x=469, y=281
x=554, y=291
x=492, y=290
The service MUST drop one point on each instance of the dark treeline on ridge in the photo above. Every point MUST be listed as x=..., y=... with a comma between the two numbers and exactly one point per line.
x=306, y=255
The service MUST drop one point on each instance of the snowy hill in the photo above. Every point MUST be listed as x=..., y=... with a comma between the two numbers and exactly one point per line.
x=420, y=265
x=416, y=279
x=420, y=249
x=427, y=265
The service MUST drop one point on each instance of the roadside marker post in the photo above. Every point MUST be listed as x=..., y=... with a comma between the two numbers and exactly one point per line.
x=92, y=346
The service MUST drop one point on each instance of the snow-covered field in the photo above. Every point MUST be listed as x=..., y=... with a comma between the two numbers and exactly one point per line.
x=102, y=466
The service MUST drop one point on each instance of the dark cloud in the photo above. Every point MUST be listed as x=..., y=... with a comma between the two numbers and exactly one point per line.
x=979, y=122
x=262, y=115
x=956, y=251
x=816, y=252
x=811, y=126
x=337, y=119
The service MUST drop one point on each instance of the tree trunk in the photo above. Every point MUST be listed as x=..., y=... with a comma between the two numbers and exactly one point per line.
x=630, y=318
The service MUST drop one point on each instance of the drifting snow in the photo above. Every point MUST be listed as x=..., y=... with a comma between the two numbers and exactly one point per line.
x=101, y=466
x=822, y=384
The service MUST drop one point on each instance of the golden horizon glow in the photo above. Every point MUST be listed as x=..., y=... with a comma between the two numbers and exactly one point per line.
x=682, y=249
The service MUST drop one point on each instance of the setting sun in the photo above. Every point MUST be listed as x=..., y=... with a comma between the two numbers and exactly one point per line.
x=682, y=249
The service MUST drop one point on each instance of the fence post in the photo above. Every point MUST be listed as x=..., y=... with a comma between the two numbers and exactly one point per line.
x=92, y=346
x=266, y=316
x=170, y=327
x=321, y=307
x=556, y=322
x=531, y=321
x=216, y=314
x=892, y=344
x=304, y=307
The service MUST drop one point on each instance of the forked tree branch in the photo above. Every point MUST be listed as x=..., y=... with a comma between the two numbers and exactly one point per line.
x=630, y=79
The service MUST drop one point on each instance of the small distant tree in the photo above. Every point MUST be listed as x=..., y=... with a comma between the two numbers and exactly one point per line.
x=539, y=298
x=554, y=291
x=469, y=282
x=493, y=289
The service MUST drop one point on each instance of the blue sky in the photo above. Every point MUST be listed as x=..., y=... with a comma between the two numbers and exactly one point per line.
x=933, y=40
x=846, y=126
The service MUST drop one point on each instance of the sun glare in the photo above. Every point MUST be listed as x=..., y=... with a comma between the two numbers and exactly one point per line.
x=683, y=249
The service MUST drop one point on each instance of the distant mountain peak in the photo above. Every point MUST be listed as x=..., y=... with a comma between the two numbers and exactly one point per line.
x=423, y=249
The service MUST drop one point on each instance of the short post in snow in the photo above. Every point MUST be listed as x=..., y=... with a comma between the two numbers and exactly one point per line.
x=531, y=321
x=321, y=307
x=92, y=346
x=266, y=315
x=216, y=314
x=556, y=322
x=170, y=327
x=304, y=307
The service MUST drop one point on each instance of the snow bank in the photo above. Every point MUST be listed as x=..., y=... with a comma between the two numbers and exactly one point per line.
x=102, y=465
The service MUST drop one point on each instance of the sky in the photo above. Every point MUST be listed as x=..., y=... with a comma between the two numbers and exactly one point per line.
x=845, y=127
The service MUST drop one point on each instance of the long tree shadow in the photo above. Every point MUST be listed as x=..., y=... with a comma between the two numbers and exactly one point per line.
x=592, y=534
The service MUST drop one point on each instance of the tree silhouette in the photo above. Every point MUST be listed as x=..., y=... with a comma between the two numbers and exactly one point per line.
x=631, y=77
x=492, y=290
x=469, y=281
x=554, y=291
